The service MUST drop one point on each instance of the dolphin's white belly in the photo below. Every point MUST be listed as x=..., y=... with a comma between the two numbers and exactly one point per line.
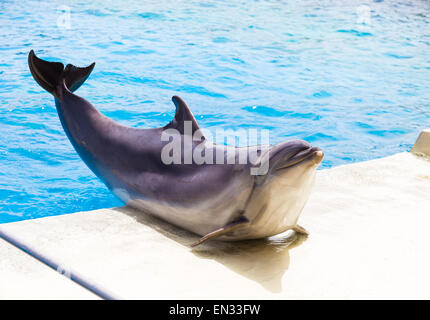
x=276, y=207
x=204, y=216
x=271, y=209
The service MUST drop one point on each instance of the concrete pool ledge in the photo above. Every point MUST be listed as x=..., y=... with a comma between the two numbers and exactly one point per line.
x=368, y=225
x=23, y=277
x=422, y=145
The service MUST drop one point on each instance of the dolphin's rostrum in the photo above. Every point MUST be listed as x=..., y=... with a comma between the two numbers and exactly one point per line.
x=224, y=201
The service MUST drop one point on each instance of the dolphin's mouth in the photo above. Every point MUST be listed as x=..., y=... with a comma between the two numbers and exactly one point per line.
x=311, y=153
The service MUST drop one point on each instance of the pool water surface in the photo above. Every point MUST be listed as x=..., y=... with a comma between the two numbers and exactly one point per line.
x=352, y=77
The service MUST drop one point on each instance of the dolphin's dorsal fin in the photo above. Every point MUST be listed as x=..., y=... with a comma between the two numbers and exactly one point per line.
x=183, y=113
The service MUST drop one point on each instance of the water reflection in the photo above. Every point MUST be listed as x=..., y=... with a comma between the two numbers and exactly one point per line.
x=264, y=261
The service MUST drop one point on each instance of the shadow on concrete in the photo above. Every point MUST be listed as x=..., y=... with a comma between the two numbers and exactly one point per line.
x=264, y=261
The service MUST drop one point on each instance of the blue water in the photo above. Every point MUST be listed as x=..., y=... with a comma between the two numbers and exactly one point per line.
x=312, y=70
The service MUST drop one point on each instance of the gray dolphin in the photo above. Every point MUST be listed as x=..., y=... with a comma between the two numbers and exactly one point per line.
x=224, y=201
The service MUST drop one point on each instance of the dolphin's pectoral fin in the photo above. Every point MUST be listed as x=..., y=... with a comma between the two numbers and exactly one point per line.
x=222, y=231
x=301, y=230
x=183, y=113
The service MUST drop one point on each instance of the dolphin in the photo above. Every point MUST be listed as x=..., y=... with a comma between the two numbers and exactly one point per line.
x=228, y=200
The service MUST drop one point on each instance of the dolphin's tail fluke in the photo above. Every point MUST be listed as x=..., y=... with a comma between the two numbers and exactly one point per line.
x=51, y=75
